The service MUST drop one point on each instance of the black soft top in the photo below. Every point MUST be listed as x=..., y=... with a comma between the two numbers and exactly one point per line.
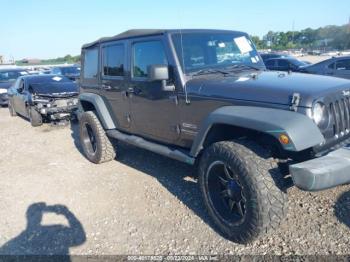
x=149, y=32
x=127, y=34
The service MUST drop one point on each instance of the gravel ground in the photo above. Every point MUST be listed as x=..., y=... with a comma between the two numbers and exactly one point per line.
x=54, y=201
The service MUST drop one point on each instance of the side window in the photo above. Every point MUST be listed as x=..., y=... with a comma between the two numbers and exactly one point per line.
x=270, y=63
x=343, y=64
x=90, y=63
x=283, y=63
x=113, y=60
x=331, y=66
x=145, y=54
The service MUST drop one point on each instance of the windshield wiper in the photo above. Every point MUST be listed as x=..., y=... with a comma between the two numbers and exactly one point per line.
x=242, y=67
x=209, y=71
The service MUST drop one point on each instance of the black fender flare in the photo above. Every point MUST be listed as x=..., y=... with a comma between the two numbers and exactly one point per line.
x=101, y=109
x=301, y=130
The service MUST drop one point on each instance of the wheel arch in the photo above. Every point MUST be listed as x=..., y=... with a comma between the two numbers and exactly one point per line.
x=94, y=102
x=230, y=122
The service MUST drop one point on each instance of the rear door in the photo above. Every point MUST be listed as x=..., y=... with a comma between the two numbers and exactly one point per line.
x=342, y=68
x=114, y=79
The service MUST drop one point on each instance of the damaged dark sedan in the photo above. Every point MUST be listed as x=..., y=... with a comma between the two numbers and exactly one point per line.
x=7, y=78
x=43, y=98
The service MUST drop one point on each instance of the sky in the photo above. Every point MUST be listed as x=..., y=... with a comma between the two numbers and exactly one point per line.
x=49, y=29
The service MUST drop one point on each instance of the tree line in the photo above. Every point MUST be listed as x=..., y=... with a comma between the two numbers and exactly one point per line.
x=326, y=38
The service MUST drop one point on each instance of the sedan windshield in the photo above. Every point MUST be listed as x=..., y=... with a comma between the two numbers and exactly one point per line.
x=8, y=76
x=51, y=84
x=197, y=51
x=70, y=70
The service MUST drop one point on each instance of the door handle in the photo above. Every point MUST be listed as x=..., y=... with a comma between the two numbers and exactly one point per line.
x=106, y=87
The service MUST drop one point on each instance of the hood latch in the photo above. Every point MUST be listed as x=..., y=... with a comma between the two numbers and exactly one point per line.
x=295, y=102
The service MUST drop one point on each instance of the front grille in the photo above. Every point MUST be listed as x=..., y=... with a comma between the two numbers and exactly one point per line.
x=340, y=116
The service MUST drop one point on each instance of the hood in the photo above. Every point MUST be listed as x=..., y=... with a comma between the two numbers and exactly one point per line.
x=55, y=89
x=6, y=85
x=268, y=87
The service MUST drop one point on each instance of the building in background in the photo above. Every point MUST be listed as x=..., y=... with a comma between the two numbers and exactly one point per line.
x=4, y=61
x=32, y=61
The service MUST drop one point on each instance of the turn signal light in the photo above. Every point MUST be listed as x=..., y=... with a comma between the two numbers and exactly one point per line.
x=284, y=139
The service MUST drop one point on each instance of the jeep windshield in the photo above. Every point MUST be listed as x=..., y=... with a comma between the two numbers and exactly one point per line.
x=213, y=52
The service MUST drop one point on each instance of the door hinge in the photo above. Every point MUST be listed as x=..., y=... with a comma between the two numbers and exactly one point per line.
x=295, y=101
x=178, y=129
x=175, y=99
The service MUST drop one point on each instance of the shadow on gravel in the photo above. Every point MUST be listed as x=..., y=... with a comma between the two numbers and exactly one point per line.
x=176, y=177
x=44, y=240
x=74, y=127
x=342, y=208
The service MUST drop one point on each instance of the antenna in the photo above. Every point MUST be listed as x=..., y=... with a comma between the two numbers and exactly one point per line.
x=183, y=67
x=183, y=58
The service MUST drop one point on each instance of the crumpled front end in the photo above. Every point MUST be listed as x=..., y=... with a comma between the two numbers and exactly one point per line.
x=56, y=108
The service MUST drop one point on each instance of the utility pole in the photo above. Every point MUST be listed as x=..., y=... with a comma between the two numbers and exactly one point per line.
x=293, y=31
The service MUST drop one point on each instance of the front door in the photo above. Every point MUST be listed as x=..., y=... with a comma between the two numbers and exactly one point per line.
x=154, y=112
x=114, y=82
x=19, y=99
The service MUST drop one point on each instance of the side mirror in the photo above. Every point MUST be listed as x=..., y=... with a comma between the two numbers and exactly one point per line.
x=160, y=73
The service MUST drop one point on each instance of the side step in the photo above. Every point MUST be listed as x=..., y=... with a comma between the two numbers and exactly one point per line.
x=151, y=146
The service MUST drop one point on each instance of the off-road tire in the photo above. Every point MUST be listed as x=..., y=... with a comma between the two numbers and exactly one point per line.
x=35, y=117
x=13, y=112
x=104, y=150
x=262, y=183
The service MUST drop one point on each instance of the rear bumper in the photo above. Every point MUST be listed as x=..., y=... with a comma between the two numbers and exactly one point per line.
x=324, y=172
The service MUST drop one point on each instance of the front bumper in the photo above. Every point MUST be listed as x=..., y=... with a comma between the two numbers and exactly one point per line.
x=323, y=172
x=59, y=113
x=4, y=99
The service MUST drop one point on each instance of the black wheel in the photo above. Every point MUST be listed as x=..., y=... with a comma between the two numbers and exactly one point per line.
x=242, y=189
x=35, y=117
x=96, y=145
x=11, y=109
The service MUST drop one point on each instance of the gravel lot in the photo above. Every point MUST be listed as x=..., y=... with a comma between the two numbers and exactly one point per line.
x=141, y=203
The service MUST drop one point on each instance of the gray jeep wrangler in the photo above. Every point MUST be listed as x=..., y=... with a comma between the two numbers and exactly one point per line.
x=204, y=97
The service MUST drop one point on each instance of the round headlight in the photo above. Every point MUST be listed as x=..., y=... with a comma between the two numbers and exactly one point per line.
x=320, y=115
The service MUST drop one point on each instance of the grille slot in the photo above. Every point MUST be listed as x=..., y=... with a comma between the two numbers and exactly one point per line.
x=340, y=113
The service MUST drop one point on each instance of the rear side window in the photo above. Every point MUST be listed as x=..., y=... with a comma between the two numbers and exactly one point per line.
x=331, y=66
x=145, y=54
x=270, y=63
x=90, y=63
x=282, y=63
x=343, y=64
x=113, y=60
